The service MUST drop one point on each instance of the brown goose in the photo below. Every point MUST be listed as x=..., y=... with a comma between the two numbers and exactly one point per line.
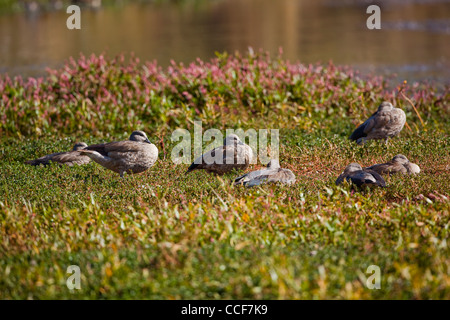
x=398, y=164
x=131, y=156
x=360, y=177
x=67, y=158
x=234, y=154
x=272, y=174
x=386, y=123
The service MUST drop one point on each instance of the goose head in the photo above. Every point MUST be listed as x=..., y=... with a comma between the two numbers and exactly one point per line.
x=352, y=167
x=385, y=106
x=79, y=146
x=400, y=159
x=139, y=136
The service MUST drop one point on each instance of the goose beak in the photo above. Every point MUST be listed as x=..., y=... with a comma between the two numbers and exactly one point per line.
x=148, y=141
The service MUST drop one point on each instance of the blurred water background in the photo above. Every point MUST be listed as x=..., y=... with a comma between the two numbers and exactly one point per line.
x=413, y=43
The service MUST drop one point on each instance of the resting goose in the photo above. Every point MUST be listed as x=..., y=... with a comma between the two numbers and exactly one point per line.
x=398, y=164
x=67, y=158
x=234, y=154
x=135, y=155
x=272, y=174
x=360, y=177
x=386, y=123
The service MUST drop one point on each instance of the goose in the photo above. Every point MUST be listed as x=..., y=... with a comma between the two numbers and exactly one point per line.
x=360, y=177
x=67, y=158
x=234, y=154
x=398, y=164
x=272, y=174
x=385, y=123
x=135, y=155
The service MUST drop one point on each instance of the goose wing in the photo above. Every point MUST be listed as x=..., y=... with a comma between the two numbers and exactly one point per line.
x=45, y=160
x=246, y=178
x=341, y=178
x=378, y=178
x=71, y=158
x=117, y=146
x=387, y=168
x=364, y=128
x=214, y=158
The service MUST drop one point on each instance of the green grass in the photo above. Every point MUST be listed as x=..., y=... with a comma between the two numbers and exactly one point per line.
x=164, y=235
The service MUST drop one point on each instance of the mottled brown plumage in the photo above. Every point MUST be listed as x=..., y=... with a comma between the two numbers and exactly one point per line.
x=131, y=156
x=386, y=123
x=272, y=174
x=69, y=158
x=398, y=164
x=360, y=177
x=234, y=154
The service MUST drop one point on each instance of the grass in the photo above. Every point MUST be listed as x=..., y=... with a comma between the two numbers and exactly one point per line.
x=164, y=235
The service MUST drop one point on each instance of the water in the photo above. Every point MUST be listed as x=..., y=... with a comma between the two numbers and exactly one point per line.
x=414, y=41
